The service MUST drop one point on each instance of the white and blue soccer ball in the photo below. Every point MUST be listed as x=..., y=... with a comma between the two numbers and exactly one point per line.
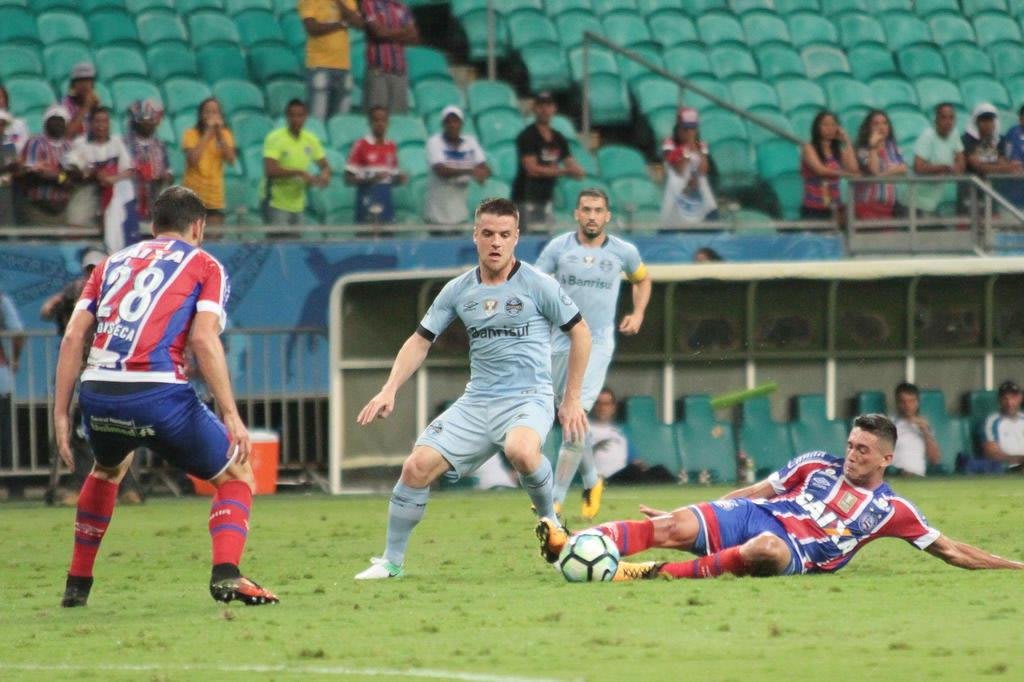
x=588, y=556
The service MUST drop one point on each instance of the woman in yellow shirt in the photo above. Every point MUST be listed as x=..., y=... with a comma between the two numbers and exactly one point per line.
x=208, y=147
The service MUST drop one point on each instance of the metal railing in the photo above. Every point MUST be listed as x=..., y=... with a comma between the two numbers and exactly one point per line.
x=278, y=387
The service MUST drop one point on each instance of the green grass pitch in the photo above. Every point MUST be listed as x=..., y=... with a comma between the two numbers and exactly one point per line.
x=478, y=603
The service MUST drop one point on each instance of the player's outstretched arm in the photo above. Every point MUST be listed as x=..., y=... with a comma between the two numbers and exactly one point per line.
x=570, y=413
x=204, y=340
x=69, y=366
x=962, y=555
x=410, y=357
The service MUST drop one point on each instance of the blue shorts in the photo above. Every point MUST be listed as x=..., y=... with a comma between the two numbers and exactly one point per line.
x=730, y=523
x=170, y=420
x=474, y=428
x=593, y=378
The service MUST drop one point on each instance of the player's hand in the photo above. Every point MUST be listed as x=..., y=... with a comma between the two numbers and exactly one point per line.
x=651, y=512
x=380, y=407
x=631, y=323
x=62, y=433
x=573, y=420
x=239, y=437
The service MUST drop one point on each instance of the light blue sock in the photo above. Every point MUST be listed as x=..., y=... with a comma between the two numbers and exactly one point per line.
x=539, y=485
x=588, y=467
x=568, y=461
x=404, y=512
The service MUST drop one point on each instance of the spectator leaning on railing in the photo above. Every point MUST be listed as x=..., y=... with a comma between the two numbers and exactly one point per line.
x=43, y=186
x=938, y=151
x=823, y=161
x=879, y=157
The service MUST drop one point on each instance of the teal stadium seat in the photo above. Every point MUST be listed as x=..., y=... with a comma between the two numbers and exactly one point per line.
x=474, y=25
x=499, y=125
x=670, y=27
x=547, y=68
x=210, y=28
x=967, y=60
x=871, y=61
x=526, y=28
x=778, y=61
x=980, y=404
x=718, y=28
x=894, y=93
x=238, y=96
x=722, y=125
x=159, y=27
x=807, y=28
x=995, y=28
x=567, y=190
x=618, y=161
x=62, y=27
x=344, y=129
x=789, y=190
x=18, y=27
x=951, y=433
x=754, y=95
x=844, y=93
x=871, y=402
x=220, y=62
x=113, y=27
x=822, y=62
x=20, y=60
x=407, y=129
x=493, y=187
x=698, y=7
x=799, y=93
x=787, y=7
x=764, y=28
x=978, y=89
x=631, y=71
x=60, y=59
x=903, y=29
x=687, y=61
x=893, y=5
x=810, y=412
x=932, y=91
x=119, y=62
x=335, y=203
x=484, y=95
x=183, y=95
x=632, y=195
x=859, y=29
x=188, y=7
x=279, y=93
x=555, y=7
x=27, y=93
x=735, y=162
x=433, y=96
x=708, y=451
x=139, y=6
x=259, y=27
x=426, y=63
x=586, y=160
x=504, y=161
x=662, y=121
x=564, y=125
x=168, y=60
x=41, y=6
x=906, y=126
x=250, y=128
x=605, y=7
x=127, y=90
x=628, y=30
x=765, y=441
x=732, y=61
x=600, y=61
x=654, y=93
x=572, y=25
x=652, y=441
x=777, y=157
x=235, y=7
x=270, y=62
x=948, y=29
x=295, y=33
x=90, y=6
x=836, y=8
x=758, y=134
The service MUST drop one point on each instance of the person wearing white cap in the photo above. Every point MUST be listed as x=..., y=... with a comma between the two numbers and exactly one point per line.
x=982, y=151
x=455, y=160
x=44, y=187
x=81, y=100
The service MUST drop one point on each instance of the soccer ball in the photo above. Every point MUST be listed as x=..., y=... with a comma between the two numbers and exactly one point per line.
x=588, y=556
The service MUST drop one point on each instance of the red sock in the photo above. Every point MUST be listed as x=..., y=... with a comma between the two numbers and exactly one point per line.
x=711, y=566
x=229, y=521
x=95, y=507
x=630, y=536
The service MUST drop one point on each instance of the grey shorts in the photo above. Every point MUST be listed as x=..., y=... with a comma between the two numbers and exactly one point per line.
x=386, y=90
x=593, y=378
x=473, y=428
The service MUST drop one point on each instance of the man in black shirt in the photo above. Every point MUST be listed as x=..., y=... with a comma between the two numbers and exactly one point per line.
x=544, y=157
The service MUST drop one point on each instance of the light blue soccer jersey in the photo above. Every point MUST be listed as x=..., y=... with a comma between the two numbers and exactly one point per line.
x=509, y=327
x=591, y=275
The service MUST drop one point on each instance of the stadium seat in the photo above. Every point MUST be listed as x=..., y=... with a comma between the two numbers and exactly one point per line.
x=949, y=29
x=631, y=70
x=735, y=163
x=250, y=128
x=90, y=6
x=698, y=7
x=978, y=89
x=720, y=125
x=235, y=7
x=903, y=29
x=995, y=28
x=295, y=33
x=279, y=93
x=499, y=125
x=711, y=86
x=605, y=7
x=407, y=129
x=926, y=8
x=708, y=451
x=1007, y=60
x=547, y=67
x=786, y=7
x=777, y=157
x=334, y=203
x=768, y=444
x=777, y=61
x=27, y=93
x=871, y=61
x=967, y=60
x=60, y=59
x=758, y=134
x=844, y=93
x=504, y=161
x=859, y=29
x=433, y=96
x=182, y=122
x=62, y=27
x=426, y=63
x=829, y=435
x=555, y=7
x=908, y=125
x=568, y=189
x=836, y=8
x=117, y=62
x=662, y=121
x=188, y=7
x=932, y=91
x=269, y=62
x=753, y=95
x=528, y=28
x=789, y=190
x=635, y=195
x=687, y=61
x=654, y=92
x=127, y=90
x=894, y=93
x=18, y=27
x=171, y=59
x=975, y=7
x=799, y=93
x=19, y=61
x=821, y=61
x=474, y=25
x=732, y=61
x=41, y=6
x=493, y=187
x=764, y=28
x=609, y=100
x=113, y=27
x=627, y=30
x=483, y=95
x=572, y=25
x=670, y=27
x=617, y=161
x=918, y=61
x=258, y=27
x=870, y=402
x=586, y=160
x=717, y=28
x=600, y=61
x=236, y=96
x=655, y=444
x=183, y=95
x=807, y=28
x=158, y=27
x=220, y=62
x=140, y=6
x=344, y=129
x=210, y=28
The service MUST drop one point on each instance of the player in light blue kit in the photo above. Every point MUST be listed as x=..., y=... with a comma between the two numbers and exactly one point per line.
x=589, y=264
x=509, y=310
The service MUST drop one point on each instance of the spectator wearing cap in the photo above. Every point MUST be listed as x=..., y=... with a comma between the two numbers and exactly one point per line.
x=1003, y=432
x=544, y=156
x=916, y=446
x=455, y=160
x=288, y=153
x=937, y=151
x=982, y=152
x=208, y=146
x=81, y=100
x=372, y=166
x=100, y=160
x=149, y=153
x=688, y=197
x=43, y=186
x=328, y=53
x=389, y=27
x=16, y=132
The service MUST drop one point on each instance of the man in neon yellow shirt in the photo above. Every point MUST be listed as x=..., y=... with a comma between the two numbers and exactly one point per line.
x=287, y=155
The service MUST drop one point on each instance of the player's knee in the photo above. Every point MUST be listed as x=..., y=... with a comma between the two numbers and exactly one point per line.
x=415, y=472
x=237, y=472
x=767, y=554
x=112, y=474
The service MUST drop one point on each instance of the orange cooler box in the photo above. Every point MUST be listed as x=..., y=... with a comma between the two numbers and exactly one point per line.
x=265, y=455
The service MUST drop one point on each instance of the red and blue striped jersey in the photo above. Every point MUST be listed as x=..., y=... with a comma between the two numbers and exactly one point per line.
x=828, y=519
x=144, y=299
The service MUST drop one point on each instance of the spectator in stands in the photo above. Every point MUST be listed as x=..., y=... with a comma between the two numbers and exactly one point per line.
x=982, y=152
x=8, y=166
x=455, y=160
x=938, y=151
x=706, y=254
x=43, y=186
x=208, y=146
x=878, y=156
x=916, y=446
x=372, y=167
x=688, y=197
x=9, y=322
x=823, y=161
x=1003, y=436
x=152, y=168
x=1012, y=145
x=100, y=160
x=389, y=28
x=328, y=54
x=544, y=156
x=16, y=132
x=611, y=449
x=288, y=153
x=81, y=100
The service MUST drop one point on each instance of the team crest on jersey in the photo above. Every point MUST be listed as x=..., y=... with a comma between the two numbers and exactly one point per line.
x=564, y=298
x=490, y=306
x=606, y=265
x=847, y=502
x=513, y=306
x=588, y=261
x=470, y=306
x=436, y=427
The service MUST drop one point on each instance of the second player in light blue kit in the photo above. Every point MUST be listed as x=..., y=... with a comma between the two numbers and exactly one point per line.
x=589, y=264
x=510, y=311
